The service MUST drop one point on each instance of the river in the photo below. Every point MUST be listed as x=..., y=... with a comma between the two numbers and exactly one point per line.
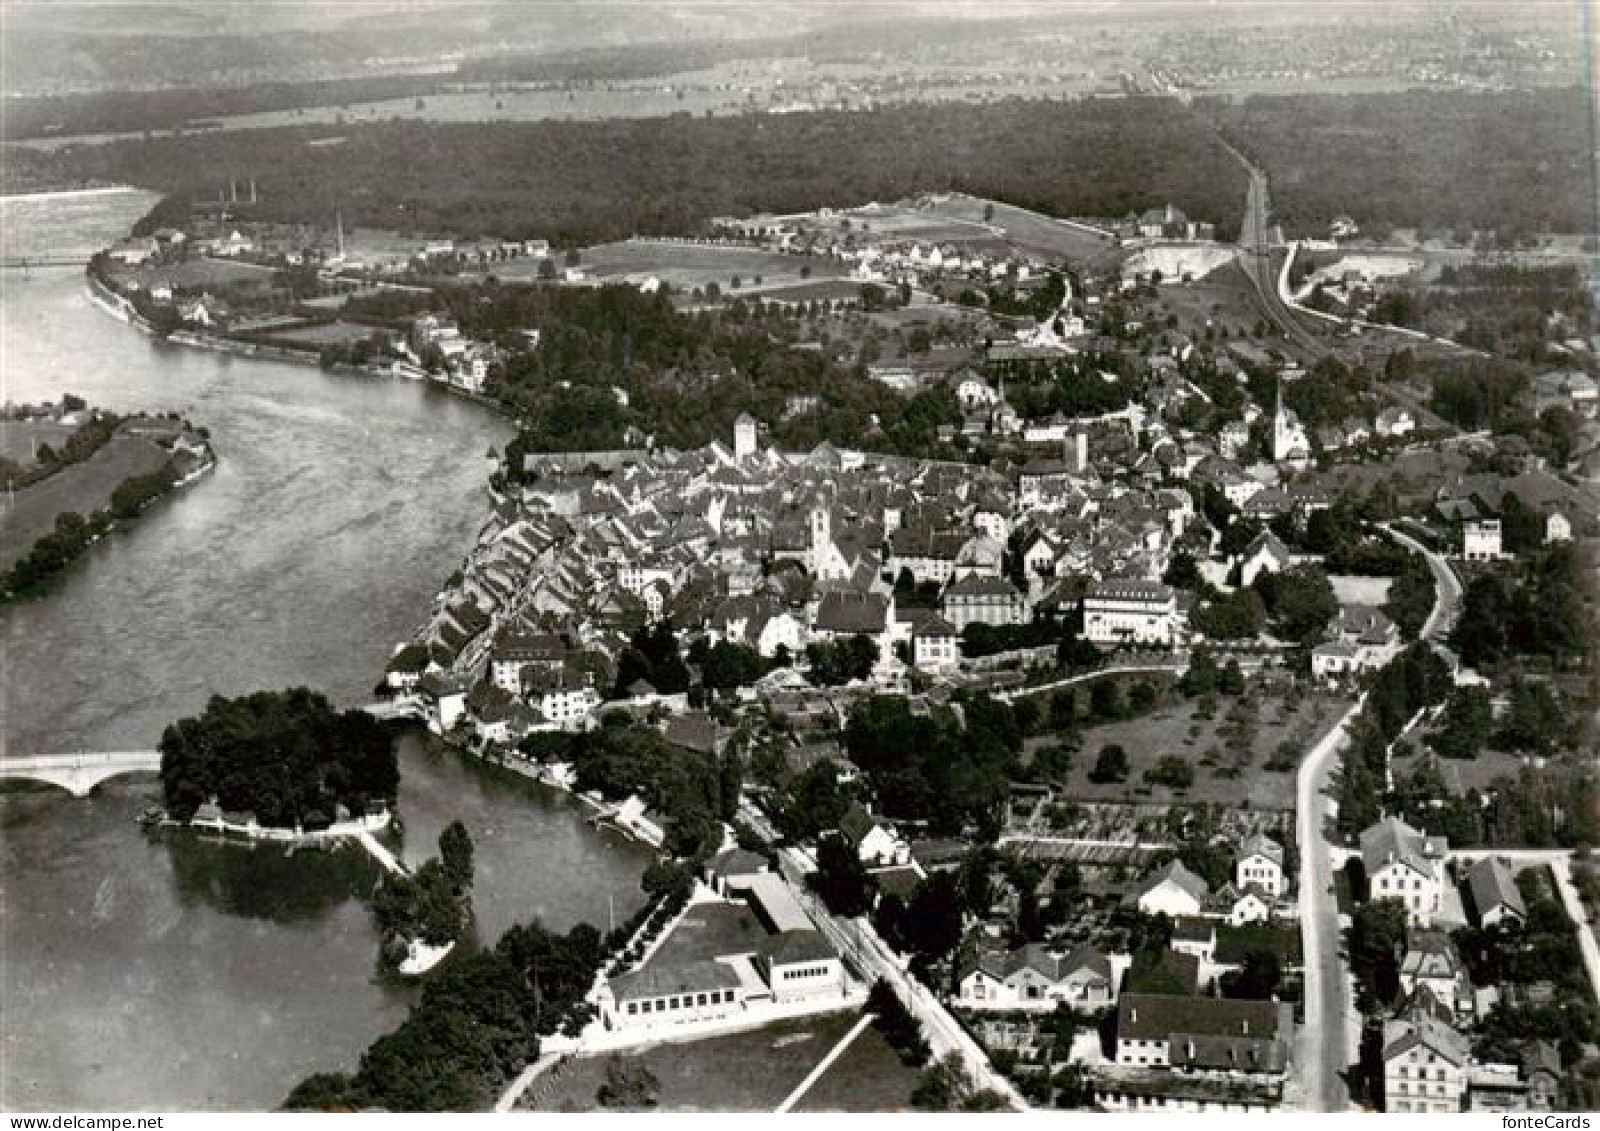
x=143, y=973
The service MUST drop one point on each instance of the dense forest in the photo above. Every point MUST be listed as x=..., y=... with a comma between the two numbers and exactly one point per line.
x=1513, y=162
x=583, y=182
x=287, y=756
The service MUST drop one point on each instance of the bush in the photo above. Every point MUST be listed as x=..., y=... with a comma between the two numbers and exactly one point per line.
x=1111, y=765
x=1172, y=772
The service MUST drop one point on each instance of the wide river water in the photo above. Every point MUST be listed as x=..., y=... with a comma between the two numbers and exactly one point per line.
x=175, y=973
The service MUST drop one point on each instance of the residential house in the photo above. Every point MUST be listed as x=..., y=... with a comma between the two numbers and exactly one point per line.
x=877, y=845
x=1493, y=891
x=1424, y=1066
x=1034, y=977
x=1480, y=540
x=1396, y=420
x=1266, y=553
x=1206, y=1038
x=1259, y=863
x=1172, y=890
x=935, y=645
x=515, y=651
x=1431, y=963
x=845, y=612
x=1247, y=905
x=1405, y=865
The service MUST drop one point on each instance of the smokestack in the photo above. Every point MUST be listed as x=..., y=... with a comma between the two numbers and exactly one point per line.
x=233, y=191
x=252, y=190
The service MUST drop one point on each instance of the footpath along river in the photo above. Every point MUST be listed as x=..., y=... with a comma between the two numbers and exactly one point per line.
x=139, y=973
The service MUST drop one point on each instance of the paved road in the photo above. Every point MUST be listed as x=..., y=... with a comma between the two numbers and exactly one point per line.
x=1328, y=1038
x=1447, y=596
x=1332, y=1029
x=1174, y=666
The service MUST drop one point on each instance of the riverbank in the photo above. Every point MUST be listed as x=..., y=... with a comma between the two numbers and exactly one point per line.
x=123, y=310
x=559, y=776
x=79, y=500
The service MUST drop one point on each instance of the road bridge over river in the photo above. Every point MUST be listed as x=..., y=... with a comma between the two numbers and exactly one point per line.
x=79, y=773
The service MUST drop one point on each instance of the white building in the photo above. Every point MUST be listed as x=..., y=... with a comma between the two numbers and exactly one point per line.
x=745, y=430
x=1032, y=977
x=1245, y=1040
x=1173, y=891
x=877, y=845
x=1130, y=612
x=936, y=645
x=568, y=702
x=1265, y=554
x=1405, y=865
x=1424, y=1066
x=1480, y=541
x=1260, y=864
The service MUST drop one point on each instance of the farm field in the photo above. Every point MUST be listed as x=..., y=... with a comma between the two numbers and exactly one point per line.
x=1223, y=298
x=689, y=265
x=751, y=1071
x=82, y=488
x=323, y=334
x=194, y=274
x=1228, y=752
x=1033, y=232
x=18, y=438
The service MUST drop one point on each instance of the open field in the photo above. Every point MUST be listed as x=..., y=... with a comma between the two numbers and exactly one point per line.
x=18, y=438
x=686, y=266
x=868, y=1076
x=1228, y=752
x=1033, y=232
x=1355, y=590
x=195, y=274
x=323, y=334
x=83, y=488
x=752, y=1071
x=1222, y=298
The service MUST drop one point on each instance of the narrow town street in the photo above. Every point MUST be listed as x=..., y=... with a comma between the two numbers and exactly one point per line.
x=1330, y=1032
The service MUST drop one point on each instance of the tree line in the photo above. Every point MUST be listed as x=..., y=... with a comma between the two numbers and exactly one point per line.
x=585, y=182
